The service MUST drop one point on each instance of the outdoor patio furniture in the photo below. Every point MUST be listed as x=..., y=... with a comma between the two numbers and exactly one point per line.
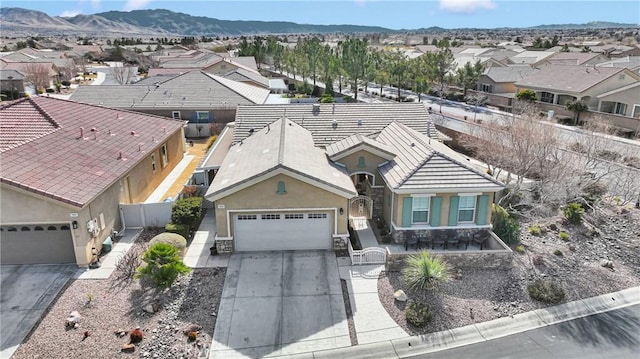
x=453, y=241
x=411, y=240
x=464, y=240
x=423, y=241
x=480, y=238
x=439, y=239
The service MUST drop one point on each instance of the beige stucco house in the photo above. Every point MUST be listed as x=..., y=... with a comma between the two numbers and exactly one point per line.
x=296, y=182
x=67, y=166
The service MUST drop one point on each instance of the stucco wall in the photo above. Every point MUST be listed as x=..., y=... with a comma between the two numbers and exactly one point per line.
x=263, y=196
x=444, y=212
x=142, y=180
x=371, y=161
x=629, y=97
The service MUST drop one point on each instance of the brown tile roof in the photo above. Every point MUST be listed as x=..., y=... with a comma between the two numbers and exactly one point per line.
x=53, y=159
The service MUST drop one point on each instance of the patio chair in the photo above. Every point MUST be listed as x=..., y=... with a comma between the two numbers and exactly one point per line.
x=410, y=239
x=480, y=238
x=439, y=238
x=423, y=241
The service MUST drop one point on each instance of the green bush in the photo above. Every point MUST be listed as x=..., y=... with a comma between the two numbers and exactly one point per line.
x=546, y=291
x=504, y=226
x=326, y=98
x=163, y=265
x=176, y=240
x=520, y=249
x=535, y=230
x=564, y=236
x=181, y=229
x=417, y=314
x=573, y=212
x=187, y=211
x=558, y=253
x=423, y=271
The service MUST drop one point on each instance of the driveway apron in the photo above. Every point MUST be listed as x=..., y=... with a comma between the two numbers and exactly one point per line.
x=280, y=303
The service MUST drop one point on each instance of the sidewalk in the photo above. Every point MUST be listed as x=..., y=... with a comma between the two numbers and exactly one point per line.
x=108, y=261
x=158, y=194
x=198, y=254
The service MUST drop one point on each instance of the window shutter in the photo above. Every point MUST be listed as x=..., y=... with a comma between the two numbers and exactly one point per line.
x=211, y=117
x=194, y=116
x=453, y=210
x=407, y=209
x=483, y=204
x=436, y=209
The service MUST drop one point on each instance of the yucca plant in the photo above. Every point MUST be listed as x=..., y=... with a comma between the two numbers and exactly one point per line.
x=424, y=271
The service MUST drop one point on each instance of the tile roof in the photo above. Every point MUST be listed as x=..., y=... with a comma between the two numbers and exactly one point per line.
x=191, y=90
x=56, y=162
x=508, y=73
x=425, y=165
x=339, y=148
x=4, y=75
x=572, y=58
x=243, y=75
x=284, y=145
x=351, y=118
x=568, y=78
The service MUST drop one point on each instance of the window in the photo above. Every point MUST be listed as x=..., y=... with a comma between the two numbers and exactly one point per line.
x=270, y=216
x=247, y=217
x=12, y=229
x=153, y=162
x=466, y=209
x=25, y=229
x=420, y=210
x=52, y=228
x=546, y=97
x=176, y=115
x=613, y=107
x=361, y=163
x=485, y=88
x=38, y=228
x=294, y=216
x=317, y=215
x=281, y=188
x=620, y=109
x=64, y=228
x=165, y=155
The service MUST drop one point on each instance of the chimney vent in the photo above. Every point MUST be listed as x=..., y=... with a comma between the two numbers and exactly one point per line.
x=82, y=132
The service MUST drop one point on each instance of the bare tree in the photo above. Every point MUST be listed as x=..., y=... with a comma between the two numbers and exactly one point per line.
x=123, y=73
x=68, y=71
x=37, y=74
x=81, y=63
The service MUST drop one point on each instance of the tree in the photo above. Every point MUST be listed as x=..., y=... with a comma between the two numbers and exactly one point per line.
x=38, y=75
x=187, y=211
x=577, y=107
x=123, y=73
x=354, y=59
x=398, y=69
x=467, y=76
x=439, y=66
x=526, y=95
x=312, y=51
x=163, y=265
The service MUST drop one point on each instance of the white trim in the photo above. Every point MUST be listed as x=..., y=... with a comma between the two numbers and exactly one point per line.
x=361, y=147
x=272, y=173
x=469, y=194
x=366, y=173
x=213, y=149
x=439, y=191
x=393, y=225
x=335, y=215
x=173, y=115
x=418, y=195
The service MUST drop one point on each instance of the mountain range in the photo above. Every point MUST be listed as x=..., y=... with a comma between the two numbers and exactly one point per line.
x=169, y=23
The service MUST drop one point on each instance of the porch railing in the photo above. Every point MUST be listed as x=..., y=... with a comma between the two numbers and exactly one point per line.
x=370, y=255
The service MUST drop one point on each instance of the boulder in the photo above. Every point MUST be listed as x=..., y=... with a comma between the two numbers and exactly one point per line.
x=128, y=348
x=606, y=264
x=400, y=295
x=149, y=308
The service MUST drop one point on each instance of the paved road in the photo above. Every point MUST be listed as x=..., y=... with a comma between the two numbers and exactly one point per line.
x=613, y=334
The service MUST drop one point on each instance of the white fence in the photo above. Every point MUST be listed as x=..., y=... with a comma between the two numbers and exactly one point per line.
x=140, y=215
x=371, y=255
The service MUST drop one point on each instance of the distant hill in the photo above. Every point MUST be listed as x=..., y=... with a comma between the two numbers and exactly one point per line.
x=169, y=23
x=589, y=25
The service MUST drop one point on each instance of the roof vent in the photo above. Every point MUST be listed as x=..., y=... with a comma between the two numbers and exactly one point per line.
x=133, y=133
x=359, y=122
x=251, y=130
x=315, y=108
x=334, y=123
x=413, y=144
x=121, y=156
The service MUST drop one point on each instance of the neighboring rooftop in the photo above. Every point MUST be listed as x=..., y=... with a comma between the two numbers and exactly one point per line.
x=568, y=78
x=72, y=151
x=508, y=74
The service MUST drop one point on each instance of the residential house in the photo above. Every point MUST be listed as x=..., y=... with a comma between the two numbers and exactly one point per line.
x=11, y=84
x=196, y=96
x=575, y=58
x=498, y=84
x=295, y=182
x=533, y=58
x=67, y=166
x=630, y=62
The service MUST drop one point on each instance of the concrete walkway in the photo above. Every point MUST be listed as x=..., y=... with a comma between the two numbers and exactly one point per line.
x=158, y=194
x=108, y=261
x=365, y=233
x=198, y=254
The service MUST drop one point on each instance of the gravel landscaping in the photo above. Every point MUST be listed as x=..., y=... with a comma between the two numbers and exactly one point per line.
x=111, y=308
x=599, y=257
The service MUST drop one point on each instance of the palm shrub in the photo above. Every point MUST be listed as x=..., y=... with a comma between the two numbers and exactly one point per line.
x=163, y=265
x=424, y=271
x=573, y=212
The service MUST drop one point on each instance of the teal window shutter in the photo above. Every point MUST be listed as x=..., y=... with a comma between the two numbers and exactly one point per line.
x=453, y=210
x=407, y=209
x=361, y=163
x=483, y=206
x=281, y=188
x=436, y=209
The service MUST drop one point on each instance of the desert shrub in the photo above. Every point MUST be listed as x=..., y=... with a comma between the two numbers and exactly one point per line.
x=520, y=249
x=504, y=226
x=417, y=314
x=187, y=211
x=135, y=336
x=181, y=229
x=327, y=98
x=163, y=265
x=553, y=227
x=546, y=291
x=211, y=141
x=537, y=260
x=535, y=231
x=564, y=236
x=424, y=271
x=174, y=239
x=558, y=253
x=128, y=264
x=573, y=212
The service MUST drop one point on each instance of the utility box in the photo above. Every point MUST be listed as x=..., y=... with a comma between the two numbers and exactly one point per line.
x=107, y=245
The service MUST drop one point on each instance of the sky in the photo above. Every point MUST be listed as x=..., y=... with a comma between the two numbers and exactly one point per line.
x=392, y=14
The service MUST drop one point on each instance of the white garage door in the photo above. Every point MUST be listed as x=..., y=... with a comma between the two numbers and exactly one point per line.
x=282, y=231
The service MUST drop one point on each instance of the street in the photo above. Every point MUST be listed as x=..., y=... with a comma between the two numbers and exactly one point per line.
x=612, y=334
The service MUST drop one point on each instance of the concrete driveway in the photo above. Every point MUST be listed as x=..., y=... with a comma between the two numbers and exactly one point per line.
x=27, y=291
x=280, y=303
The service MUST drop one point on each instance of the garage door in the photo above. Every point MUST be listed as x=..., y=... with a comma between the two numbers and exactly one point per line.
x=36, y=244
x=282, y=231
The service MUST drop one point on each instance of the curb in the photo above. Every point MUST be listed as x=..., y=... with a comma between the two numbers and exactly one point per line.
x=481, y=332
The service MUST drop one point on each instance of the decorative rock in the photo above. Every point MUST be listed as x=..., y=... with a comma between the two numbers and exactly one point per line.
x=73, y=319
x=149, y=308
x=607, y=264
x=128, y=348
x=400, y=295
